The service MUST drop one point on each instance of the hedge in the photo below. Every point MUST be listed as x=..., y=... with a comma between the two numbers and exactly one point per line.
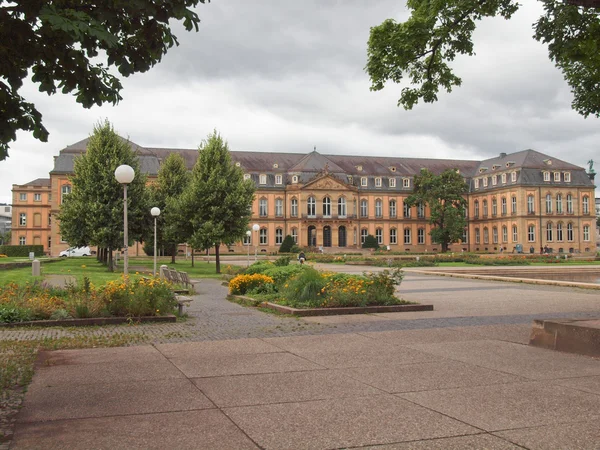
x=21, y=250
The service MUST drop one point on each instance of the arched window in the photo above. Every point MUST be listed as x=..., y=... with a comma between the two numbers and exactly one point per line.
x=262, y=207
x=559, y=231
x=515, y=233
x=278, y=236
x=559, y=205
x=392, y=209
x=279, y=207
x=549, y=232
x=477, y=236
x=294, y=207
x=311, y=207
x=295, y=235
x=364, y=209
x=476, y=209
x=486, y=236
x=569, y=231
x=379, y=236
x=504, y=233
x=485, y=208
x=378, y=208
x=548, y=204
x=494, y=207
x=407, y=236
x=585, y=203
x=341, y=207
x=569, y=204
x=393, y=236
x=495, y=235
x=530, y=204
x=363, y=235
x=326, y=207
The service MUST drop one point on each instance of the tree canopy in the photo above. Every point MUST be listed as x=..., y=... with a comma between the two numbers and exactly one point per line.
x=444, y=194
x=216, y=205
x=92, y=214
x=70, y=45
x=420, y=49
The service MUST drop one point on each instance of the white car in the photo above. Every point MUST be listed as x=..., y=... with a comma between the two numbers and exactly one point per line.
x=76, y=251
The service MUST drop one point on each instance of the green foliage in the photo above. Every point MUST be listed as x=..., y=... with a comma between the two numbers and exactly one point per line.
x=215, y=207
x=21, y=250
x=10, y=313
x=287, y=244
x=444, y=194
x=59, y=44
x=282, y=274
x=370, y=242
x=305, y=289
x=498, y=261
x=5, y=238
x=421, y=49
x=93, y=213
x=258, y=267
x=283, y=261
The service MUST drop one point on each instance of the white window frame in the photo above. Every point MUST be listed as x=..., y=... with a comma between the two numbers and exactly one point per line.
x=570, y=232
x=586, y=233
x=393, y=236
x=503, y=206
x=406, y=182
x=22, y=219
x=503, y=178
x=569, y=204
x=530, y=204
x=406, y=210
x=421, y=236
x=311, y=207
x=559, y=232
x=515, y=233
x=559, y=204
x=278, y=236
x=531, y=233
x=263, y=237
x=263, y=207
x=278, y=207
x=477, y=236
x=476, y=181
x=379, y=235
x=494, y=180
x=513, y=177
x=393, y=208
x=326, y=207
x=262, y=179
x=295, y=179
x=567, y=177
x=548, y=204
x=485, y=181
x=494, y=235
x=421, y=210
x=546, y=176
x=295, y=235
x=407, y=236
x=364, y=208
x=378, y=208
x=247, y=176
x=294, y=207
x=278, y=179
x=364, y=181
x=504, y=234
x=585, y=204
x=476, y=209
x=556, y=176
x=392, y=182
x=23, y=197
x=342, y=208
x=37, y=197
x=64, y=190
x=22, y=240
x=363, y=235
x=377, y=181
x=549, y=232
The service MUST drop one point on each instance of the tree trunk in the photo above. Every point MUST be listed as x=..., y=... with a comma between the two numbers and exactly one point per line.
x=110, y=260
x=192, y=256
x=217, y=260
x=173, y=253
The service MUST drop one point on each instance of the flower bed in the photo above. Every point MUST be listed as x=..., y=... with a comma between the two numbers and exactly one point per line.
x=123, y=298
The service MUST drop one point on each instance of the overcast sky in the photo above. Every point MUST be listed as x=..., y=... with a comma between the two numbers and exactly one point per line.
x=274, y=75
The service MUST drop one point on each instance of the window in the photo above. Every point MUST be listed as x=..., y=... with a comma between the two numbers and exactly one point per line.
x=22, y=240
x=311, y=207
x=262, y=207
x=549, y=232
x=49, y=242
x=379, y=236
x=494, y=207
x=378, y=208
x=495, y=235
x=476, y=183
x=503, y=206
x=559, y=231
x=569, y=204
x=586, y=232
x=392, y=182
x=295, y=179
x=407, y=235
x=567, y=177
x=513, y=205
x=420, y=210
x=476, y=209
x=406, y=210
x=263, y=236
x=530, y=205
x=22, y=219
x=37, y=197
x=278, y=179
x=65, y=190
x=279, y=207
x=247, y=239
x=326, y=207
x=23, y=197
x=485, y=208
x=393, y=236
x=341, y=207
x=548, y=204
x=378, y=182
x=247, y=176
x=406, y=182
x=569, y=232
x=515, y=233
x=485, y=182
x=465, y=235
x=486, y=236
x=294, y=208
x=49, y=219
x=494, y=180
x=559, y=208
x=363, y=181
x=263, y=179
x=556, y=176
x=364, y=208
x=295, y=235
x=392, y=209
x=513, y=177
x=531, y=233
x=363, y=235
x=278, y=236
x=477, y=236
x=37, y=220
x=546, y=176
x=421, y=236
x=504, y=233
x=503, y=178
x=586, y=205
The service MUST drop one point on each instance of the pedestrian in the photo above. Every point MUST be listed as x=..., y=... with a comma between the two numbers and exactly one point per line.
x=301, y=257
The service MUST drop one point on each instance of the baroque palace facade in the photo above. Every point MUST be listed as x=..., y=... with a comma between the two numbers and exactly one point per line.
x=524, y=200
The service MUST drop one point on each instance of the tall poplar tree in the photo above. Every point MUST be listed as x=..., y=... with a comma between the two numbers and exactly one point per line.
x=92, y=214
x=445, y=196
x=216, y=205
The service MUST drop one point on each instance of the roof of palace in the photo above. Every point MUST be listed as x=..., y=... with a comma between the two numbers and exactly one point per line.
x=38, y=182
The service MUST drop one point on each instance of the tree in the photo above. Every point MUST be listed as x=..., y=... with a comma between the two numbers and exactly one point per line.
x=370, y=242
x=444, y=194
x=287, y=244
x=216, y=205
x=92, y=214
x=59, y=41
x=173, y=178
x=420, y=48
x=5, y=238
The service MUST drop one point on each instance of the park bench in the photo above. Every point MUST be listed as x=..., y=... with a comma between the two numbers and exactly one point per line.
x=182, y=301
x=176, y=277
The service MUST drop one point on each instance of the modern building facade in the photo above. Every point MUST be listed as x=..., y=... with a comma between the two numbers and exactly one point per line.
x=524, y=200
x=5, y=221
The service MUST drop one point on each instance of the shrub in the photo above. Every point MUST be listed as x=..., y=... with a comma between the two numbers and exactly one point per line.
x=305, y=288
x=295, y=249
x=258, y=267
x=244, y=283
x=142, y=297
x=21, y=250
x=287, y=244
x=12, y=313
x=370, y=242
x=283, y=261
x=282, y=274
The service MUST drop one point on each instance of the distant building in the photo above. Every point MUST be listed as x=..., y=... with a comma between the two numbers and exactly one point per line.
x=526, y=199
x=31, y=218
x=5, y=221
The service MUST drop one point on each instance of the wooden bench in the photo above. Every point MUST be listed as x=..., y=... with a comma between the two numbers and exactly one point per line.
x=182, y=301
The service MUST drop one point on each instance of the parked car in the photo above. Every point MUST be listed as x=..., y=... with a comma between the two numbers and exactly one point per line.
x=76, y=251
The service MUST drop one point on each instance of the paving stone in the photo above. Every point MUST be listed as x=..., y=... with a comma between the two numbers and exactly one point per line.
x=474, y=442
x=404, y=337
x=587, y=384
x=234, y=346
x=573, y=436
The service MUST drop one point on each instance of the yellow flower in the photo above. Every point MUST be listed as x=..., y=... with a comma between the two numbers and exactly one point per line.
x=83, y=266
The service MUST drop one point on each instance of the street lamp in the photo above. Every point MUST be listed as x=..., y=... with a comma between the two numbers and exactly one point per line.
x=155, y=213
x=248, y=234
x=125, y=175
x=255, y=227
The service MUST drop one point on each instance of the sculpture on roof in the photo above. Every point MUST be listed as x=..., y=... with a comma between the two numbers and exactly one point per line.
x=591, y=163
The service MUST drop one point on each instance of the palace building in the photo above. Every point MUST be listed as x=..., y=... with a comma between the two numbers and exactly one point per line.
x=524, y=200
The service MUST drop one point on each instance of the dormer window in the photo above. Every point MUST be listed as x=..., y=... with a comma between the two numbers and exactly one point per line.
x=246, y=176
x=363, y=181
x=482, y=169
x=503, y=178
x=262, y=179
x=556, y=176
x=275, y=166
x=510, y=163
x=496, y=166
x=278, y=179
x=350, y=179
x=378, y=182
x=513, y=177
x=546, y=176
x=567, y=177
x=476, y=182
x=494, y=180
x=485, y=182
x=548, y=162
x=406, y=182
x=295, y=179
x=392, y=169
x=392, y=182
x=359, y=168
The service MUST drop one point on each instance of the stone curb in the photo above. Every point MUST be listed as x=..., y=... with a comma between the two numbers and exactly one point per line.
x=89, y=321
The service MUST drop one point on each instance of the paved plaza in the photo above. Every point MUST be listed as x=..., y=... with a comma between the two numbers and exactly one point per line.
x=230, y=377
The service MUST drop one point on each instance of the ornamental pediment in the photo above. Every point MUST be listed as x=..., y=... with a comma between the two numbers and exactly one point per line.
x=327, y=183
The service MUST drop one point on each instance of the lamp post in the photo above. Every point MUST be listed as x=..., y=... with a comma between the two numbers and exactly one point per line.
x=155, y=213
x=256, y=227
x=248, y=234
x=125, y=175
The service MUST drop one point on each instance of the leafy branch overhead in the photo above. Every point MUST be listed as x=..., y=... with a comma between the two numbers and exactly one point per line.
x=70, y=46
x=420, y=50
